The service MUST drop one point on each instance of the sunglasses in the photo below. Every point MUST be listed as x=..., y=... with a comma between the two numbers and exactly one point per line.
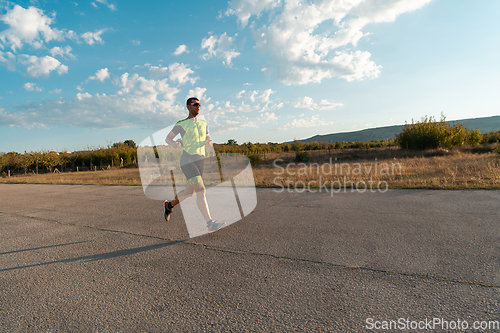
x=195, y=104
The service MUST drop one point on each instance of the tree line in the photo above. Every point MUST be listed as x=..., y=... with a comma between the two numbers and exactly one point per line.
x=117, y=155
x=426, y=134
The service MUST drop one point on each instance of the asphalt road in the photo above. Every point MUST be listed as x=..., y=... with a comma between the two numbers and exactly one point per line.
x=102, y=259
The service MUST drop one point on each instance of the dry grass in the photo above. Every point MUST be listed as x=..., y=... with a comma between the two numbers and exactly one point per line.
x=108, y=177
x=458, y=170
x=453, y=171
x=464, y=171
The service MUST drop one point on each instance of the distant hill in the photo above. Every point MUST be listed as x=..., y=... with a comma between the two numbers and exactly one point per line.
x=486, y=124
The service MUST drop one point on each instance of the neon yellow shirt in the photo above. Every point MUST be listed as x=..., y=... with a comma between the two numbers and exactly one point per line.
x=193, y=134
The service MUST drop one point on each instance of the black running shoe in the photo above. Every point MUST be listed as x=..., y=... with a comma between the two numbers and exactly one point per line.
x=214, y=225
x=167, y=210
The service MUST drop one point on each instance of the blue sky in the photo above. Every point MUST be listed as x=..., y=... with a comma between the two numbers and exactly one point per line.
x=85, y=74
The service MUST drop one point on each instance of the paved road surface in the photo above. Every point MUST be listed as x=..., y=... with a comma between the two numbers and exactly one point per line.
x=102, y=259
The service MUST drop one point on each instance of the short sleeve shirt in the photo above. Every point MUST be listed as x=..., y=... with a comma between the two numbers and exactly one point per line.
x=193, y=134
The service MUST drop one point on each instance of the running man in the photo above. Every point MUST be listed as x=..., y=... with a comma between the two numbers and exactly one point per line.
x=194, y=134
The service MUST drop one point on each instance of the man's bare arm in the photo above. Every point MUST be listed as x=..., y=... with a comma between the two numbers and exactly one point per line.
x=209, y=140
x=170, y=140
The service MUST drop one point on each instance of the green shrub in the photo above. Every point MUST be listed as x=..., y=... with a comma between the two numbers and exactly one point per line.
x=296, y=145
x=491, y=137
x=301, y=156
x=340, y=145
x=430, y=134
x=312, y=145
x=474, y=138
x=4, y=174
x=422, y=135
x=255, y=160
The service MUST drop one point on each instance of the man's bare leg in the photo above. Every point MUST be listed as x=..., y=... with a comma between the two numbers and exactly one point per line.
x=201, y=199
x=184, y=194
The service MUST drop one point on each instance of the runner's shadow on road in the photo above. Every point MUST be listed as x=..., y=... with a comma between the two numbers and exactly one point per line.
x=101, y=256
x=42, y=247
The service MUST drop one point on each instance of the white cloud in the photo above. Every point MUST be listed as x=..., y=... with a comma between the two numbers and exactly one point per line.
x=233, y=125
x=180, y=73
x=150, y=89
x=220, y=47
x=244, y=9
x=139, y=102
x=176, y=72
x=209, y=43
x=93, y=37
x=240, y=94
x=136, y=42
x=95, y=111
x=196, y=92
x=349, y=66
x=300, y=53
x=61, y=51
x=29, y=26
x=227, y=116
x=268, y=116
x=80, y=96
x=158, y=71
x=8, y=59
x=325, y=105
x=254, y=95
x=312, y=121
x=230, y=125
x=29, y=86
x=126, y=83
x=264, y=97
x=55, y=91
x=308, y=103
x=305, y=102
x=100, y=75
x=38, y=67
x=62, y=69
x=112, y=7
x=181, y=49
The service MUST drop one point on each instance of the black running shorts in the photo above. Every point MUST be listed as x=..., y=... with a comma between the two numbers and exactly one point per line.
x=192, y=167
